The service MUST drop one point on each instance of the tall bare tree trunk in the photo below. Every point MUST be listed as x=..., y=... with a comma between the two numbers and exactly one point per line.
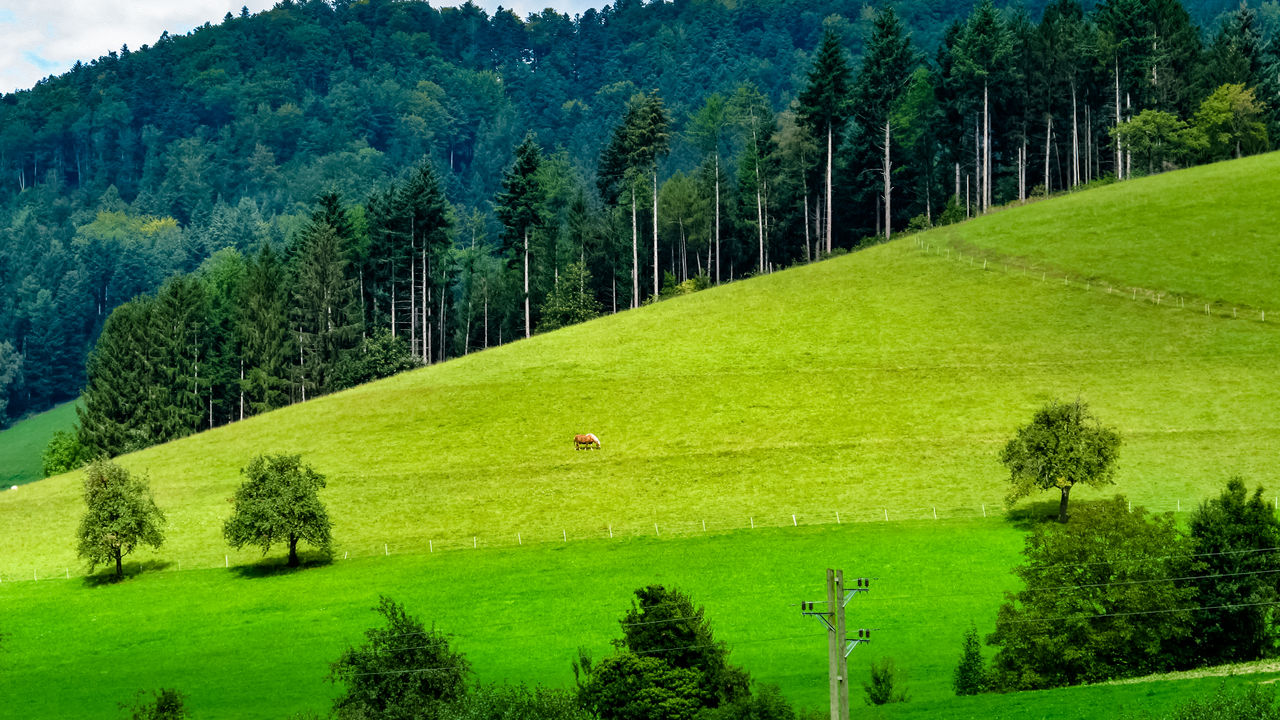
x=804, y=183
x=1119, y=160
x=717, y=238
x=957, y=183
x=635, y=253
x=888, y=188
x=426, y=356
x=977, y=165
x=656, y=288
x=986, y=150
x=526, y=283
x=830, y=155
x=1075, y=139
x=1048, y=133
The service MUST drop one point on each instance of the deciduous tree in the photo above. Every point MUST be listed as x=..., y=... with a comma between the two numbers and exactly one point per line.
x=120, y=515
x=279, y=502
x=1064, y=445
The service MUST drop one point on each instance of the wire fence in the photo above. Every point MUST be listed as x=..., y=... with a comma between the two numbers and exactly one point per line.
x=990, y=261
x=546, y=534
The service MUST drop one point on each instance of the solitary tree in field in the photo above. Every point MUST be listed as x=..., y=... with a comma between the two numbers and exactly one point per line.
x=1064, y=444
x=121, y=515
x=403, y=670
x=279, y=502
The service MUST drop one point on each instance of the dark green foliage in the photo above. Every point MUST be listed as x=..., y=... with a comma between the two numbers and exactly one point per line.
x=885, y=684
x=1233, y=535
x=1063, y=445
x=120, y=515
x=664, y=622
x=971, y=674
x=279, y=502
x=114, y=412
x=262, y=333
x=825, y=103
x=1099, y=601
x=64, y=453
x=514, y=702
x=10, y=376
x=403, y=671
x=571, y=301
x=325, y=311
x=165, y=704
x=634, y=687
x=377, y=356
x=764, y=703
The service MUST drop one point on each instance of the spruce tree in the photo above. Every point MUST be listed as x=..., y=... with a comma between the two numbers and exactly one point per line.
x=883, y=79
x=421, y=215
x=262, y=332
x=324, y=312
x=180, y=352
x=824, y=108
x=120, y=386
x=520, y=208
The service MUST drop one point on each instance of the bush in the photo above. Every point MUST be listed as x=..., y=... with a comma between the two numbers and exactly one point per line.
x=64, y=453
x=884, y=686
x=1255, y=702
x=514, y=702
x=765, y=703
x=385, y=677
x=166, y=704
x=377, y=356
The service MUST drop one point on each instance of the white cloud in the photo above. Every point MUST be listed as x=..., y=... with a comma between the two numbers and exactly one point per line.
x=47, y=37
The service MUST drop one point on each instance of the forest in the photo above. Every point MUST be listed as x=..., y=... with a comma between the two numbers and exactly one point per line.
x=288, y=203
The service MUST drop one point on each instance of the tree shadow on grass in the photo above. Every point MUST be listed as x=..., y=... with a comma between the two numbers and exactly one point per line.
x=279, y=566
x=107, y=574
x=1027, y=516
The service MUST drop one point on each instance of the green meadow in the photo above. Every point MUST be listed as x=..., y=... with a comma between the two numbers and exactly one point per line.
x=22, y=443
x=817, y=417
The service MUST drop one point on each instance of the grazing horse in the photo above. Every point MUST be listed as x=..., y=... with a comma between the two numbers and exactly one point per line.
x=588, y=441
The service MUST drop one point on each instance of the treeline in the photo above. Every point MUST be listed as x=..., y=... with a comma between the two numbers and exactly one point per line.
x=766, y=144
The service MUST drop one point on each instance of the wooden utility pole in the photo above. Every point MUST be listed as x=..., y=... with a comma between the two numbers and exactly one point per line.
x=838, y=644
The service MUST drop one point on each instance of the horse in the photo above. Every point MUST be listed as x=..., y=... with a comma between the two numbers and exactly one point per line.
x=588, y=441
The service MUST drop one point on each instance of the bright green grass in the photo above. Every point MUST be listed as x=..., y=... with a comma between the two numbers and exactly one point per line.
x=883, y=380
x=22, y=443
x=258, y=646
x=1207, y=233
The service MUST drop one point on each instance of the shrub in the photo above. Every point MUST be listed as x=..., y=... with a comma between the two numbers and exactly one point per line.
x=166, y=704
x=884, y=686
x=64, y=453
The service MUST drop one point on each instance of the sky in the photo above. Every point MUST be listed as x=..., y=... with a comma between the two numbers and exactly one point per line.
x=47, y=37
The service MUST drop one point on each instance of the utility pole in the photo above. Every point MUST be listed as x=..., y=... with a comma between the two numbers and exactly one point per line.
x=838, y=645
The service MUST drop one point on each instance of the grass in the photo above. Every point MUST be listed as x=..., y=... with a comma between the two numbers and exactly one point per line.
x=262, y=649
x=22, y=443
x=1207, y=233
x=884, y=381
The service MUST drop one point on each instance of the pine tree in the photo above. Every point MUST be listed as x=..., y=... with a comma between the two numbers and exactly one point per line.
x=180, y=358
x=422, y=215
x=324, y=311
x=120, y=386
x=825, y=106
x=262, y=331
x=887, y=68
x=984, y=52
x=519, y=208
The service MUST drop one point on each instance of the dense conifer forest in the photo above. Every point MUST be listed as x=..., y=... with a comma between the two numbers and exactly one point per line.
x=285, y=204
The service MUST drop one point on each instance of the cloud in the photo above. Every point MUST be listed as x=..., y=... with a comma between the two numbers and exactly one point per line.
x=44, y=37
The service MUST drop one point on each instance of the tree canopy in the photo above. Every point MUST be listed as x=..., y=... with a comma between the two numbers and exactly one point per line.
x=279, y=502
x=1064, y=445
x=120, y=514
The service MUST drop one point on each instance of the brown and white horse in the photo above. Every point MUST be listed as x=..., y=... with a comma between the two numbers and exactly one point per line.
x=588, y=441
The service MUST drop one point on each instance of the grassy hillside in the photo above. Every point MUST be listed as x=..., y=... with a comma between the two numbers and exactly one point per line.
x=22, y=443
x=877, y=386
x=1206, y=233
